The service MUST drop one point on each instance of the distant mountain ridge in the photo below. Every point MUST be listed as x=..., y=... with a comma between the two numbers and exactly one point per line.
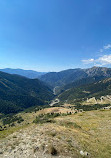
x=65, y=77
x=27, y=73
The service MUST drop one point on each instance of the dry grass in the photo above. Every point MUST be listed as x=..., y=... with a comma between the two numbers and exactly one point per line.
x=88, y=131
x=5, y=133
x=94, y=136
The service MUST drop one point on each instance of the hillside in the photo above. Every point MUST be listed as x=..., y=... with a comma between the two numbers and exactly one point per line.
x=81, y=93
x=79, y=128
x=65, y=77
x=78, y=83
x=26, y=73
x=66, y=136
x=17, y=93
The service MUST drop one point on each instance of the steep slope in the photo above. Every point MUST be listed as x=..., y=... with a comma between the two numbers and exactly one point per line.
x=78, y=83
x=63, y=77
x=17, y=93
x=26, y=73
x=96, y=89
x=98, y=71
x=68, y=76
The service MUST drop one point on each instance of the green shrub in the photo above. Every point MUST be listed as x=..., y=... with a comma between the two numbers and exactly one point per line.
x=90, y=107
x=10, y=119
x=45, y=118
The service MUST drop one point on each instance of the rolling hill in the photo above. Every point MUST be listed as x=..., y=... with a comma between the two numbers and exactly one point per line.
x=18, y=93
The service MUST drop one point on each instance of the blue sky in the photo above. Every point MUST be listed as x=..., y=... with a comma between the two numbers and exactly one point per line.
x=53, y=35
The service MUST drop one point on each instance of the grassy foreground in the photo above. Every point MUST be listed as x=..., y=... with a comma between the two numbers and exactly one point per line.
x=88, y=131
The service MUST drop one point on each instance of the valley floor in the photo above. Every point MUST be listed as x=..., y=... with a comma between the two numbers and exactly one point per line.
x=65, y=138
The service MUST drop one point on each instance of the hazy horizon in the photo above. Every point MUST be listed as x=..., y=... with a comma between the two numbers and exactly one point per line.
x=52, y=71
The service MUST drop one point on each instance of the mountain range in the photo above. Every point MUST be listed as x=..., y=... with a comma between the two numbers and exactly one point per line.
x=27, y=73
x=67, y=76
x=18, y=92
x=75, y=85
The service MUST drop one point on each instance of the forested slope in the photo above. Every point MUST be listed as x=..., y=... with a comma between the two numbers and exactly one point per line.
x=17, y=93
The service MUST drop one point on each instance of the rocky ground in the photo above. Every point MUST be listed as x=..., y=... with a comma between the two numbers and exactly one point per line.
x=68, y=137
x=34, y=142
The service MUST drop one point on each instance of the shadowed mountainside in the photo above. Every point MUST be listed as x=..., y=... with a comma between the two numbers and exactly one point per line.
x=17, y=93
x=80, y=93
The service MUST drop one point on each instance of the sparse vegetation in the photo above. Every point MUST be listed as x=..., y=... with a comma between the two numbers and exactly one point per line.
x=90, y=107
x=69, y=133
x=45, y=118
x=69, y=124
x=10, y=119
x=59, y=131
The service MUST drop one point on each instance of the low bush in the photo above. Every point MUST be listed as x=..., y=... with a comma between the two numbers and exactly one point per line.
x=91, y=107
x=69, y=124
x=10, y=119
x=45, y=118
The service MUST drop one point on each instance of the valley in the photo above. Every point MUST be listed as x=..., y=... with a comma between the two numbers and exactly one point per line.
x=73, y=121
x=55, y=79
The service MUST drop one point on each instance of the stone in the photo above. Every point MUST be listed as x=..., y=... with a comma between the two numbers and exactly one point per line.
x=1, y=151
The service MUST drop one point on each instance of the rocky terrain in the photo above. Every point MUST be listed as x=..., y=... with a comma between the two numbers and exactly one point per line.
x=69, y=136
x=29, y=143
